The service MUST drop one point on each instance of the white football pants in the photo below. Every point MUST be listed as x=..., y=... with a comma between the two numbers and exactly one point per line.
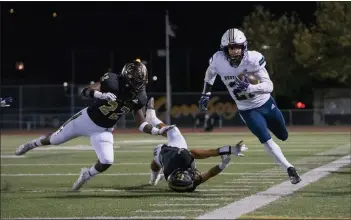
x=175, y=139
x=80, y=124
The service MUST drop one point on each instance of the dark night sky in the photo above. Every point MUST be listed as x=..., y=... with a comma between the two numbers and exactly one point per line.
x=128, y=29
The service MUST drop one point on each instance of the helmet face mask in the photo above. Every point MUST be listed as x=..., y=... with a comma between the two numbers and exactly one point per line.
x=234, y=46
x=181, y=180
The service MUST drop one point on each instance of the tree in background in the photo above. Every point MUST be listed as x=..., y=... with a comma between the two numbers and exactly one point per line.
x=273, y=37
x=324, y=48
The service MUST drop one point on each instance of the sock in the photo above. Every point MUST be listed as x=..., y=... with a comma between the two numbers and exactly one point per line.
x=37, y=142
x=93, y=171
x=152, y=115
x=274, y=150
x=153, y=174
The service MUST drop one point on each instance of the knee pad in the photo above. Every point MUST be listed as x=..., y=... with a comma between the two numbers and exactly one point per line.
x=106, y=160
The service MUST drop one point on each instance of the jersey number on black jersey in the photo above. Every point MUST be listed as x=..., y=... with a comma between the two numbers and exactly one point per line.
x=111, y=107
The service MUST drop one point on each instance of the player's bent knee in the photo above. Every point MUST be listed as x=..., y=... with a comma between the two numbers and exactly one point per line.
x=283, y=136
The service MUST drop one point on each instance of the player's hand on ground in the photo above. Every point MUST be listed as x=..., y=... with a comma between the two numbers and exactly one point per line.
x=108, y=96
x=203, y=102
x=165, y=129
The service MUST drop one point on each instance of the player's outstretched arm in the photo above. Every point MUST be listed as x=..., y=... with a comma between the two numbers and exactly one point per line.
x=225, y=150
x=214, y=171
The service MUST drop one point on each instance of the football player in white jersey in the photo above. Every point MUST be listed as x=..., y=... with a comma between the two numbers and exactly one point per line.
x=256, y=106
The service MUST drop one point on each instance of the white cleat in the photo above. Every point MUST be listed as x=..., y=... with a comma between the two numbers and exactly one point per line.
x=83, y=178
x=22, y=149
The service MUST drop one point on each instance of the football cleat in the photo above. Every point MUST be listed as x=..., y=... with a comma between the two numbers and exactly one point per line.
x=22, y=149
x=293, y=175
x=83, y=178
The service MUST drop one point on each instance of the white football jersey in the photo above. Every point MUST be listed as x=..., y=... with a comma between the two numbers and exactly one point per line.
x=255, y=95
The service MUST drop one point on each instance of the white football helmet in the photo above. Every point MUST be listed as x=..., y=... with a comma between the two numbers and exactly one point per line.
x=234, y=38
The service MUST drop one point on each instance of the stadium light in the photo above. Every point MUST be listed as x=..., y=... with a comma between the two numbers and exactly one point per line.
x=19, y=66
x=12, y=11
x=265, y=47
x=54, y=14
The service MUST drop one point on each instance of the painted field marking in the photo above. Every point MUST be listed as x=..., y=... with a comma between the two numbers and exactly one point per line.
x=113, y=174
x=200, y=199
x=11, y=156
x=251, y=203
x=104, y=217
x=258, y=182
x=267, y=217
x=235, y=186
x=168, y=210
x=186, y=205
x=122, y=164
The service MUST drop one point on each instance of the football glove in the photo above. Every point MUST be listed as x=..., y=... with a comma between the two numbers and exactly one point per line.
x=154, y=179
x=105, y=96
x=236, y=150
x=225, y=161
x=241, y=85
x=203, y=102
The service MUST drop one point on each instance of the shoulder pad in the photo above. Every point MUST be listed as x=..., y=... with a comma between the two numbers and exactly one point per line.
x=256, y=60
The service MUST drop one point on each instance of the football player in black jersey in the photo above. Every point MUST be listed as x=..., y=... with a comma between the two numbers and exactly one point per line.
x=178, y=163
x=114, y=96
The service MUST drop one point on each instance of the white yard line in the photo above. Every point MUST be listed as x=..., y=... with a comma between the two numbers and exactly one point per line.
x=168, y=210
x=184, y=204
x=11, y=156
x=199, y=199
x=249, y=182
x=116, y=174
x=122, y=164
x=251, y=203
x=105, y=217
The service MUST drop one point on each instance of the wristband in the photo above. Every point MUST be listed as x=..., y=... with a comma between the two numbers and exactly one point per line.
x=225, y=150
x=154, y=131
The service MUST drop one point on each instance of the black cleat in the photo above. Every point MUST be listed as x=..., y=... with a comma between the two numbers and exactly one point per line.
x=150, y=103
x=293, y=175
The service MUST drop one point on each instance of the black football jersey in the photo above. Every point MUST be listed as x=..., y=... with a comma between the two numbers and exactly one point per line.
x=106, y=113
x=174, y=158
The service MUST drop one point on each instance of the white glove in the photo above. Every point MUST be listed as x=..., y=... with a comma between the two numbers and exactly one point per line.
x=165, y=129
x=235, y=150
x=155, y=179
x=105, y=96
x=225, y=161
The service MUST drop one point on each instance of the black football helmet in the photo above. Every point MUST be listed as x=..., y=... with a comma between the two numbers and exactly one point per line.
x=135, y=77
x=184, y=180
